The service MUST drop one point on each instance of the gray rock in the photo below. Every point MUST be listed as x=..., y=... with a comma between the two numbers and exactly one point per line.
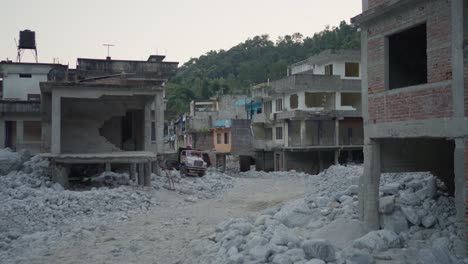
x=395, y=222
x=359, y=257
x=260, y=253
x=284, y=237
x=411, y=215
x=319, y=248
x=439, y=253
x=410, y=198
x=294, y=214
x=315, y=261
x=429, y=221
x=378, y=241
x=387, y=204
x=390, y=188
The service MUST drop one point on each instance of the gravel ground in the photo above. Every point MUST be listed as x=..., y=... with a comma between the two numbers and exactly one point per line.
x=232, y=217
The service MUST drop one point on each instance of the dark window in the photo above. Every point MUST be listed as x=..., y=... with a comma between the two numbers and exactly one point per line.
x=268, y=107
x=351, y=69
x=34, y=97
x=407, y=58
x=294, y=101
x=153, y=131
x=218, y=138
x=226, y=138
x=25, y=75
x=279, y=133
x=269, y=133
x=279, y=105
x=329, y=69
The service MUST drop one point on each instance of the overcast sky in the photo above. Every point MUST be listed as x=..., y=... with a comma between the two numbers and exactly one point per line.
x=180, y=29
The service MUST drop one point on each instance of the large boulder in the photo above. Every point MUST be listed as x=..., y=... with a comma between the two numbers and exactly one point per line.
x=387, y=204
x=320, y=249
x=438, y=254
x=378, y=241
x=395, y=222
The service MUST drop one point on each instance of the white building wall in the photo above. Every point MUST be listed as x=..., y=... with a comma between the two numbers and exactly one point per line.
x=18, y=88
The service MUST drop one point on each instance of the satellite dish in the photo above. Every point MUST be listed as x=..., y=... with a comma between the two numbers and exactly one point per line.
x=56, y=75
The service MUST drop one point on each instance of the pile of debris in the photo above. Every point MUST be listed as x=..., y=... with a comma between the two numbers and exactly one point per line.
x=323, y=227
x=33, y=207
x=208, y=186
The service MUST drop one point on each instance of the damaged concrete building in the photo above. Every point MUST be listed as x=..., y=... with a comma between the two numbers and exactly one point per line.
x=312, y=118
x=112, y=113
x=414, y=85
x=20, y=111
x=203, y=116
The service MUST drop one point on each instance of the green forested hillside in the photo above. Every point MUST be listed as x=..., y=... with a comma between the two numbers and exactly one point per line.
x=251, y=62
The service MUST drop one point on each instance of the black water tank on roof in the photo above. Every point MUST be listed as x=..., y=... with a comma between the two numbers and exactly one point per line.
x=27, y=39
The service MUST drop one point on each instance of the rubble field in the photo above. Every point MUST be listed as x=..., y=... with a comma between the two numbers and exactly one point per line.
x=251, y=217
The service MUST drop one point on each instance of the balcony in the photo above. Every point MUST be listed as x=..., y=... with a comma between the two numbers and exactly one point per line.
x=264, y=144
x=20, y=106
x=262, y=118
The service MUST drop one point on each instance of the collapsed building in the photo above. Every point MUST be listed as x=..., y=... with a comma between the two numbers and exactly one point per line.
x=415, y=94
x=110, y=112
x=312, y=118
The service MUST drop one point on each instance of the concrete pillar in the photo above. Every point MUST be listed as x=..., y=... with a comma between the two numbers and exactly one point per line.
x=56, y=124
x=337, y=157
x=19, y=134
x=133, y=169
x=108, y=167
x=303, y=133
x=147, y=125
x=337, y=132
x=159, y=119
x=141, y=173
x=337, y=100
x=461, y=147
x=286, y=133
x=147, y=177
x=321, y=167
x=369, y=186
x=2, y=133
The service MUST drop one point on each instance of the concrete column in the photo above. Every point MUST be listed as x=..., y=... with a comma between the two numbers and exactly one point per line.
x=141, y=173
x=337, y=132
x=337, y=100
x=337, y=157
x=286, y=133
x=460, y=193
x=303, y=132
x=56, y=124
x=133, y=169
x=19, y=134
x=147, y=177
x=147, y=125
x=369, y=186
x=159, y=119
x=2, y=133
x=108, y=167
x=457, y=59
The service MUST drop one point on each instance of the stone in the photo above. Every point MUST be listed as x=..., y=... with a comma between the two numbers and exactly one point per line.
x=315, y=261
x=395, y=222
x=387, y=204
x=429, y=221
x=359, y=257
x=319, y=248
x=411, y=215
x=378, y=241
x=284, y=237
x=390, y=188
x=259, y=253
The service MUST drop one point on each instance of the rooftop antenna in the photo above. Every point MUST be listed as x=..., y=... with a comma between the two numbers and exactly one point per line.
x=108, y=50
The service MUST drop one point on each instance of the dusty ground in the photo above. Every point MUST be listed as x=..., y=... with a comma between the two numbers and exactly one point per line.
x=162, y=236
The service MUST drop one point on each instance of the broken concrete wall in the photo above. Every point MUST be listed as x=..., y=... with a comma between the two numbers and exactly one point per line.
x=84, y=119
x=241, y=136
x=202, y=140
